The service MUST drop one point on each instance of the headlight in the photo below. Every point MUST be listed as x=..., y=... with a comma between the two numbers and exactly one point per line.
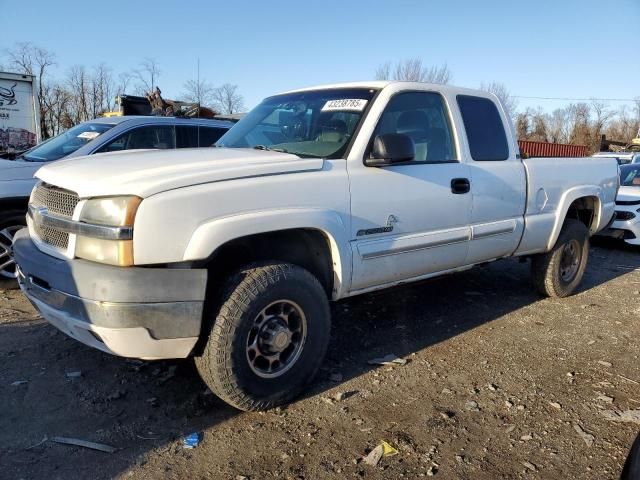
x=109, y=212
x=115, y=211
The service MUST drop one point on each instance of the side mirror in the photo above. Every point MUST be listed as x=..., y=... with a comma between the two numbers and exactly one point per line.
x=391, y=148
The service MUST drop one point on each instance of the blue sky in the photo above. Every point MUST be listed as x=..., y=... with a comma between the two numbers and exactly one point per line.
x=547, y=48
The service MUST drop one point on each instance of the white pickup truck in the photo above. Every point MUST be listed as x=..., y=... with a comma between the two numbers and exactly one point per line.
x=231, y=255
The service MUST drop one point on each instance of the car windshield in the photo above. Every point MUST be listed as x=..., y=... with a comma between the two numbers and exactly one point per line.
x=630, y=175
x=318, y=123
x=67, y=142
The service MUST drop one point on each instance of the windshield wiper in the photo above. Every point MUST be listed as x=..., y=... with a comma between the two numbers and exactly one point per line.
x=264, y=147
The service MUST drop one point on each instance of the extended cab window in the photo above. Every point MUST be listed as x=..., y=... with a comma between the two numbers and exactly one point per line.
x=422, y=116
x=484, y=127
x=149, y=136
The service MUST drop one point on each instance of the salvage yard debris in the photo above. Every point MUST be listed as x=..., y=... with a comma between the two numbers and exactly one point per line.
x=192, y=440
x=383, y=450
x=389, y=359
x=632, y=416
x=587, y=437
x=83, y=443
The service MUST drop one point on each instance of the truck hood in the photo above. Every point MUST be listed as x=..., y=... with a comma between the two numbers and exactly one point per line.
x=147, y=172
x=628, y=194
x=17, y=170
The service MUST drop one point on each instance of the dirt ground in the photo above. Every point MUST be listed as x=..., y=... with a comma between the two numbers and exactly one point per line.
x=498, y=383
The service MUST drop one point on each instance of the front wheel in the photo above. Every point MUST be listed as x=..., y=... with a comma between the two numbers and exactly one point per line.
x=558, y=272
x=268, y=338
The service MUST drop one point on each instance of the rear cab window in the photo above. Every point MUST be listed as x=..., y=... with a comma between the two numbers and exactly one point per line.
x=484, y=127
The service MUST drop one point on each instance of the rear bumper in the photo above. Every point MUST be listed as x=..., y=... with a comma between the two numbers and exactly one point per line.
x=148, y=313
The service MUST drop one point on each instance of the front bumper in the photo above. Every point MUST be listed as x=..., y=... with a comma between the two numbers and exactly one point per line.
x=627, y=230
x=148, y=313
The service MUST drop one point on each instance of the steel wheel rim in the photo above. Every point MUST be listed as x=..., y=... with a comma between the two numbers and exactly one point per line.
x=276, y=338
x=7, y=262
x=570, y=260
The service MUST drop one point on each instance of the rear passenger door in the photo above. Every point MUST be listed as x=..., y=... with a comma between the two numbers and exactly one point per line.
x=498, y=181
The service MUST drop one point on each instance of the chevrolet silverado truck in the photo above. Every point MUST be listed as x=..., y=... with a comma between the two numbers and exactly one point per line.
x=231, y=255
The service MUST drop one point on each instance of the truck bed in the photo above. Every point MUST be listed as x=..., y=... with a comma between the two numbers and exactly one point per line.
x=553, y=184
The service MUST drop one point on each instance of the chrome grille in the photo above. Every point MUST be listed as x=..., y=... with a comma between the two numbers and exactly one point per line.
x=57, y=201
x=53, y=237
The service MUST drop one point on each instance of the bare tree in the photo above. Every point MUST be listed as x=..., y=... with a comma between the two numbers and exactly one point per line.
x=602, y=115
x=227, y=100
x=557, y=127
x=80, y=105
x=523, y=126
x=103, y=90
x=32, y=60
x=124, y=80
x=147, y=75
x=413, y=70
x=57, y=99
x=500, y=90
x=383, y=72
x=200, y=92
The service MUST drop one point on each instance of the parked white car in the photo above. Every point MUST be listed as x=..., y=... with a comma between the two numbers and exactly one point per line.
x=231, y=255
x=626, y=224
x=623, y=158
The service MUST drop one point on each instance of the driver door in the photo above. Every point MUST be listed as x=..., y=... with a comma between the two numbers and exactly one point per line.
x=410, y=220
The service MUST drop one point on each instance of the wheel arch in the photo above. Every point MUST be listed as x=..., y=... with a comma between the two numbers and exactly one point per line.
x=580, y=203
x=313, y=239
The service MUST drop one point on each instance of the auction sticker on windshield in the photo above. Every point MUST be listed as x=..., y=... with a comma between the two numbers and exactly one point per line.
x=345, y=104
x=89, y=135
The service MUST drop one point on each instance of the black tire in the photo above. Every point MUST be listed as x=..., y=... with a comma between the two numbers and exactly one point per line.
x=549, y=271
x=225, y=364
x=631, y=470
x=10, y=222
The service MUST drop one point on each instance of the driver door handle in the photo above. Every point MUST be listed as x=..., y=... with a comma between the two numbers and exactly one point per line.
x=460, y=185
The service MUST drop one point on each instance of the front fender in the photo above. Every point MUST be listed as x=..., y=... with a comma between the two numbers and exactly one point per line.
x=211, y=235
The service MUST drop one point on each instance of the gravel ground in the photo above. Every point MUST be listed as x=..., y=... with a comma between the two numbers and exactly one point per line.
x=498, y=383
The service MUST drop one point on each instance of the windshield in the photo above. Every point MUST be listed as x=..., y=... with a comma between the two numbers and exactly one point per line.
x=317, y=123
x=66, y=143
x=630, y=175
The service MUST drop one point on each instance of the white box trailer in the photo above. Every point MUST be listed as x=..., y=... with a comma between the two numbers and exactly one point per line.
x=19, y=113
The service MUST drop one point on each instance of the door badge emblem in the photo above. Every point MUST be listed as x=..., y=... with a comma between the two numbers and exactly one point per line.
x=391, y=221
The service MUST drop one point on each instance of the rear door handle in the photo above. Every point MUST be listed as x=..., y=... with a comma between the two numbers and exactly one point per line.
x=460, y=185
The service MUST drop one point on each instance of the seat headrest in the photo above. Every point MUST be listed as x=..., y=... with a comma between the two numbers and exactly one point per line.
x=411, y=121
x=332, y=131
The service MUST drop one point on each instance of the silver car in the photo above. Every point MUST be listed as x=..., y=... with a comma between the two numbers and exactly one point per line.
x=95, y=136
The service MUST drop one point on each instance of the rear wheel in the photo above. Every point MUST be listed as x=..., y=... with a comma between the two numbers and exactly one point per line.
x=10, y=223
x=558, y=272
x=268, y=338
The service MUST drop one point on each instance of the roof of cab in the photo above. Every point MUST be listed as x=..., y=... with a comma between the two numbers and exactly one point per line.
x=380, y=84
